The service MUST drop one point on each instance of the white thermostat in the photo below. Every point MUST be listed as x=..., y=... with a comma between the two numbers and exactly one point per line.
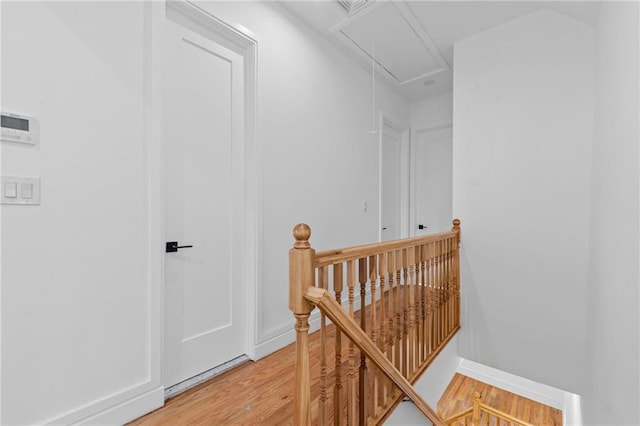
x=19, y=128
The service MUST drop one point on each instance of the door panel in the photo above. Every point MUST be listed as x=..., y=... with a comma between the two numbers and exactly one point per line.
x=433, y=181
x=390, y=185
x=204, y=297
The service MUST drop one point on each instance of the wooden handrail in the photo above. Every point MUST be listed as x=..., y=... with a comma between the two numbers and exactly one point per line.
x=329, y=257
x=459, y=416
x=479, y=407
x=503, y=415
x=323, y=300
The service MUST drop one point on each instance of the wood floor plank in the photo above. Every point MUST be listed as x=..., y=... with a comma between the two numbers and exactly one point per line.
x=458, y=397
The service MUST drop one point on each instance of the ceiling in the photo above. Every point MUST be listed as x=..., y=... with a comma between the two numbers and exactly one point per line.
x=412, y=41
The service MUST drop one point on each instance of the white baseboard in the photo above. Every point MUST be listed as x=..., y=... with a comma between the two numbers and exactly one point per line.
x=285, y=337
x=128, y=410
x=568, y=402
x=119, y=408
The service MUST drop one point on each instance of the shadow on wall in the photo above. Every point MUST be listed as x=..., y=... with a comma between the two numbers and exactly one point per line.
x=474, y=341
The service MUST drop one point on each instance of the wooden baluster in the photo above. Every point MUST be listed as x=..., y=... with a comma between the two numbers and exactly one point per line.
x=418, y=306
x=445, y=278
x=392, y=306
x=382, y=336
x=440, y=310
x=337, y=388
x=433, y=293
x=322, y=409
x=373, y=371
x=476, y=409
x=427, y=297
x=362, y=395
x=300, y=277
x=452, y=293
x=445, y=250
x=456, y=270
x=436, y=312
x=351, y=379
x=443, y=291
x=405, y=314
x=398, y=308
x=421, y=322
x=452, y=285
x=425, y=290
x=393, y=297
x=412, y=309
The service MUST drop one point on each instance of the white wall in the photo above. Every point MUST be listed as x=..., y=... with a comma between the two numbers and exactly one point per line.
x=76, y=284
x=319, y=162
x=80, y=314
x=612, y=395
x=523, y=114
x=433, y=109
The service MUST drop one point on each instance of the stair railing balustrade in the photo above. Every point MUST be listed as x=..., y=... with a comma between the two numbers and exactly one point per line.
x=396, y=304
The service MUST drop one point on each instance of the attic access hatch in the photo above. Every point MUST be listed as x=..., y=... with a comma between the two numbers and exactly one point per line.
x=404, y=52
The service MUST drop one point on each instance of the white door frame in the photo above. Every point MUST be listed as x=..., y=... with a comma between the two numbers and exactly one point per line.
x=403, y=177
x=239, y=40
x=415, y=133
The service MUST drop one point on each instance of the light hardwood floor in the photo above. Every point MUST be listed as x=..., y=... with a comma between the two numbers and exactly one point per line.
x=254, y=393
x=260, y=393
x=459, y=394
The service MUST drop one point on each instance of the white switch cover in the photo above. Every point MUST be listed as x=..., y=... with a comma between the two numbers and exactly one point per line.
x=10, y=189
x=26, y=191
x=20, y=190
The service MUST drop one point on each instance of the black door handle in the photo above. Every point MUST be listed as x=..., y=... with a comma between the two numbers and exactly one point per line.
x=172, y=247
x=421, y=227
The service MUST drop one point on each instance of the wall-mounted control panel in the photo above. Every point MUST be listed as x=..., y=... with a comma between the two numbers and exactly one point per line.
x=19, y=128
x=20, y=190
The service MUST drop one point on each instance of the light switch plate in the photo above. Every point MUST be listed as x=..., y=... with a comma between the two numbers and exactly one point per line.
x=27, y=190
x=10, y=189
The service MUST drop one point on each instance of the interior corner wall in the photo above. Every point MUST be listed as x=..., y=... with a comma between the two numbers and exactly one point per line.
x=77, y=331
x=430, y=110
x=319, y=161
x=523, y=114
x=613, y=369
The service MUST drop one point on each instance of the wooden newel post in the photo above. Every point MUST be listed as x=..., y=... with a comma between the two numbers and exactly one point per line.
x=300, y=277
x=456, y=229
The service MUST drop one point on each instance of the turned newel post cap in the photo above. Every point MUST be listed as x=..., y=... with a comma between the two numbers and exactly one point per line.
x=476, y=395
x=301, y=233
x=456, y=223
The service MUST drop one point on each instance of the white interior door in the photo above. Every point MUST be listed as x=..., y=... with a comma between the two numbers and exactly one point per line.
x=390, y=183
x=432, y=164
x=204, y=298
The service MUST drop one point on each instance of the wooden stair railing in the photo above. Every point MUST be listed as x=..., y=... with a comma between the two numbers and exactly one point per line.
x=408, y=309
x=321, y=298
x=474, y=416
